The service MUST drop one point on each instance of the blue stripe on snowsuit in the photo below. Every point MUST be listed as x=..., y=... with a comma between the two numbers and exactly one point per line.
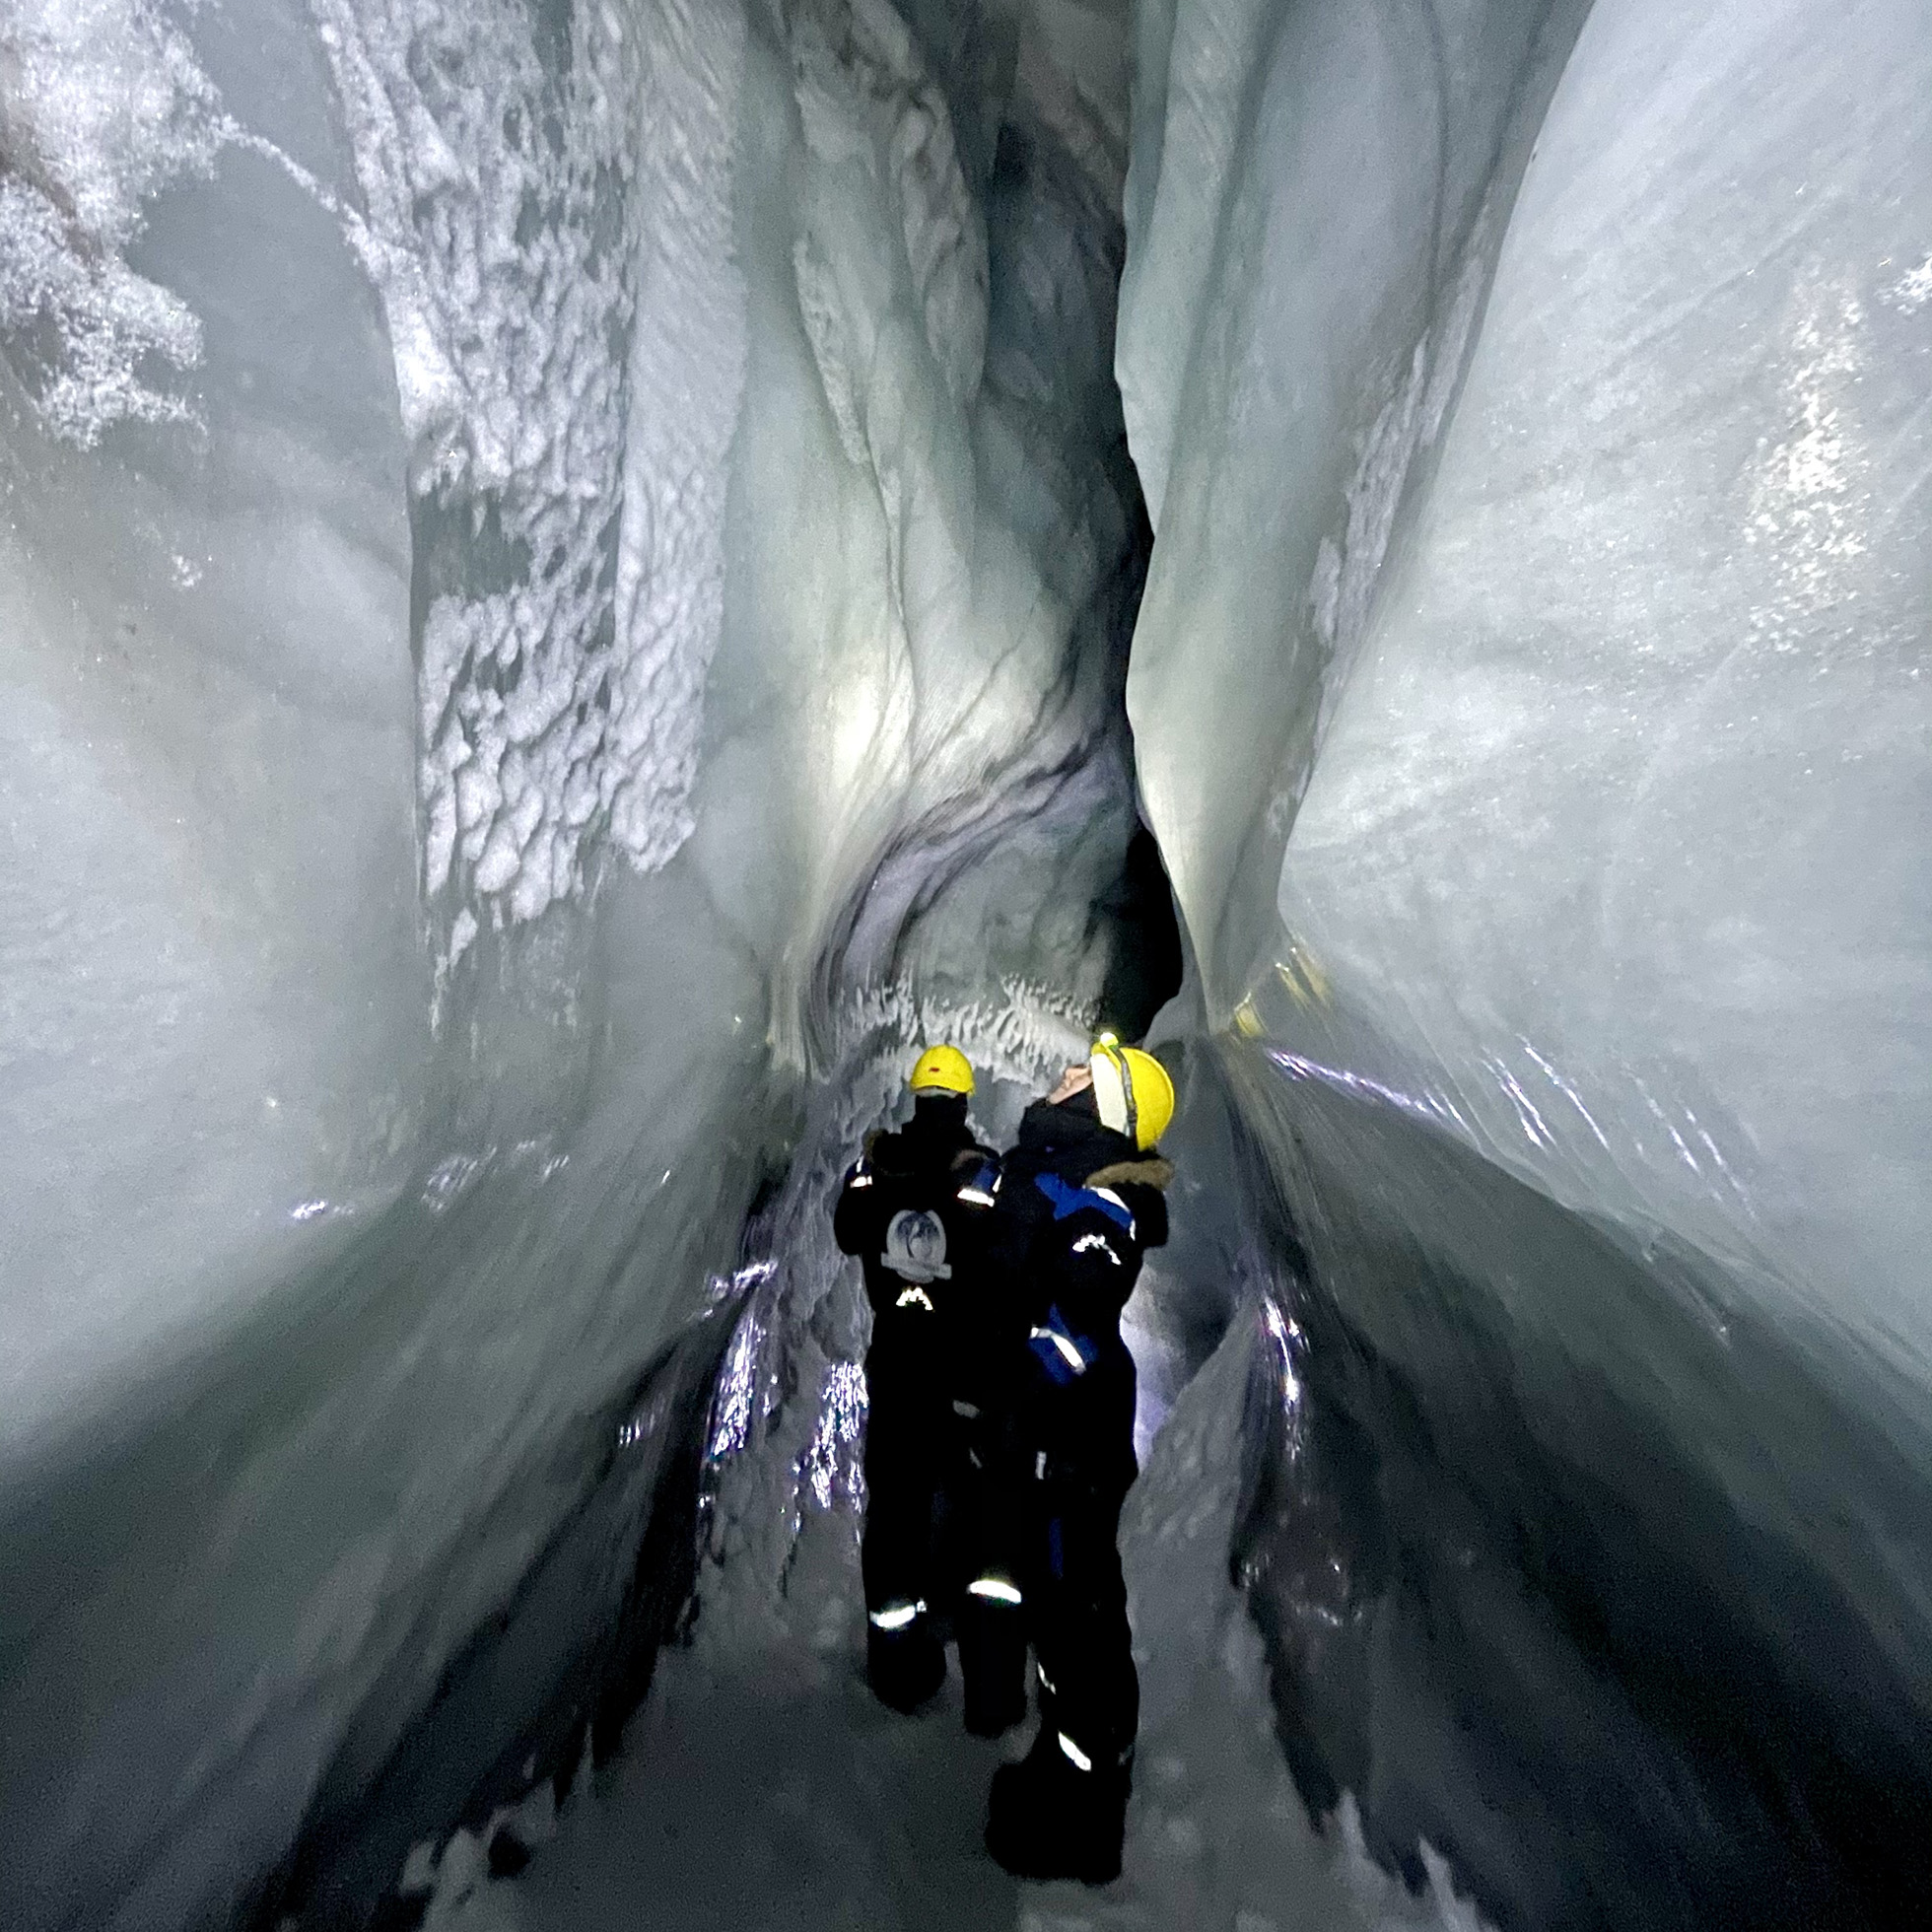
x=1052, y=1354
x=1075, y=1200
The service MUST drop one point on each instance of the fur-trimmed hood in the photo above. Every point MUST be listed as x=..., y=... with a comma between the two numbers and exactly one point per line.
x=1154, y=1172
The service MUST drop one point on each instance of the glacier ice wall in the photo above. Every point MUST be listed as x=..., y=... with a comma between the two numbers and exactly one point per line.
x=556, y=560
x=1269, y=317
x=564, y=573
x=213, y=1017
x=1530, y=697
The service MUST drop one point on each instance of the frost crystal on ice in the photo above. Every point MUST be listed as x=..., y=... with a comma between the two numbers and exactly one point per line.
x=101, y=102
x=830, y=1462
x=737, y=1382
x=546, y=215
x=550, y=229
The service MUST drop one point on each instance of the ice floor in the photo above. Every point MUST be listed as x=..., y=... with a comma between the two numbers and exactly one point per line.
x=761, y=1787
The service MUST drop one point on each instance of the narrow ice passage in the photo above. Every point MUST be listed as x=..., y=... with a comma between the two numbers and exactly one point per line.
x=577, y=576
x=761, y=1784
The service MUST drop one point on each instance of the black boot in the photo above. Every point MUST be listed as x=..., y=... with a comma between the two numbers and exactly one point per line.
x=994, y=1702
x=993, y=1661
x=1051, y=1820
x=904, y=1666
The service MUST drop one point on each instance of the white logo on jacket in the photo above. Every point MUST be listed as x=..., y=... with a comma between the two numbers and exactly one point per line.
x=916, y=1246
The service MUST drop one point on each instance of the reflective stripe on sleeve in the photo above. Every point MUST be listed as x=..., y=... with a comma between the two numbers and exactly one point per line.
x=1080, y=1761
x=1064, y=1345
x=1088, y=1242
x=895, y=1617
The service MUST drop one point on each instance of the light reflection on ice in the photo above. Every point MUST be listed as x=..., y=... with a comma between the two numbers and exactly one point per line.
x=730, y=1423
x=1299, y=1068
x=1683, y=1153
x=319, y=1209
x=725, y=1288
x=1285, y=1335
x=737, y=1380
x=1913, y=292
x=1535, y=1128
x=447, y=1179
x=1568, y=1092
x=831, y=1463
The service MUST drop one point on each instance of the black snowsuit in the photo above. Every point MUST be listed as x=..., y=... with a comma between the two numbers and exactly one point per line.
x=915, y=1209
x=1078, y=1207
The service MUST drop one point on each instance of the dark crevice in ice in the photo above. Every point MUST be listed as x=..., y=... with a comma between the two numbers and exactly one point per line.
x=1144, y=970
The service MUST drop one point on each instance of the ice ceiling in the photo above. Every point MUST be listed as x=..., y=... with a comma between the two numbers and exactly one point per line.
x=575, y=576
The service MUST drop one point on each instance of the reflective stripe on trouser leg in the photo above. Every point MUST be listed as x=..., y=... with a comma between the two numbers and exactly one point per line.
x=1076, y=1616
x=902, y=1478
x=994, y=1588
x=1085, y=1761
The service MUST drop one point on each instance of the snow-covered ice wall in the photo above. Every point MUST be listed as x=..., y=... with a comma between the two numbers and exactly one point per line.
x=1532, y=699
x=552, y=553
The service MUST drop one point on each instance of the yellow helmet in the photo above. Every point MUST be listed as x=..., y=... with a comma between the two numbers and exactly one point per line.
x=942, y=1069
x=1131, y=1089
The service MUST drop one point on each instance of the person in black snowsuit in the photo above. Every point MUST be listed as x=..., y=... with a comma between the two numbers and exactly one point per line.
x=915, y=1209
x=1081, y=1201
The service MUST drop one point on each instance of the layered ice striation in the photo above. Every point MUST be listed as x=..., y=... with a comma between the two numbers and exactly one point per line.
x=1531, y=700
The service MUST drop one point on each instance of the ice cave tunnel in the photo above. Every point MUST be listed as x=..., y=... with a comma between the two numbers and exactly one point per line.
x=578, y=574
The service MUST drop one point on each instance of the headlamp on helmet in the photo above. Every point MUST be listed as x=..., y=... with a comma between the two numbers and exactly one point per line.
x=1131, y=1091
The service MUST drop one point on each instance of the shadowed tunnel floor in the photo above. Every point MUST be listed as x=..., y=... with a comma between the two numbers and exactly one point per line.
x=761, y=1789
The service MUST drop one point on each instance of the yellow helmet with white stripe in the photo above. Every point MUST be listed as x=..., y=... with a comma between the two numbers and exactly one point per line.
x=1131, y=1091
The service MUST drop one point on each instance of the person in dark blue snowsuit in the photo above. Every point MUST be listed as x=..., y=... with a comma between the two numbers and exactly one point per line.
x=915, y=1209
x=1081, y=1201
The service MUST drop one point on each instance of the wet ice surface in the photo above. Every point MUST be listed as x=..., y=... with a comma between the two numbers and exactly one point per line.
x=761, y=1786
